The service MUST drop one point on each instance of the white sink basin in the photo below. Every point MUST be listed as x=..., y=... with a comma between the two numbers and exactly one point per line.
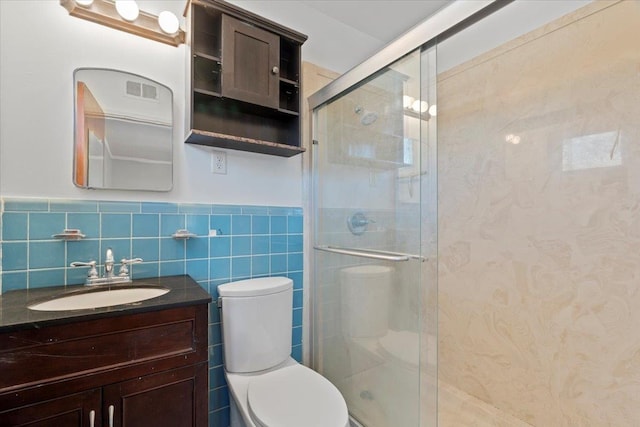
x=99, y=298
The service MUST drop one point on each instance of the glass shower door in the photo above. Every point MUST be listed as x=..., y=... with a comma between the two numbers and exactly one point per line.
x=368, y=264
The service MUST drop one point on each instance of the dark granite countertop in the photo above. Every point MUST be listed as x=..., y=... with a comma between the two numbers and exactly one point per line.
x=15, y=315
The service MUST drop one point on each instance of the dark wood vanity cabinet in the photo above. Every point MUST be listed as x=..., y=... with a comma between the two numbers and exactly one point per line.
x=169, y=398
x=73, y=410
x=136, y=370
x=244, y=80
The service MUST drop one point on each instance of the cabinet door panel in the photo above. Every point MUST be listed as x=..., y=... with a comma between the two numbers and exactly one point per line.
x=249, y=56
x=68, y=411
x=171, y=398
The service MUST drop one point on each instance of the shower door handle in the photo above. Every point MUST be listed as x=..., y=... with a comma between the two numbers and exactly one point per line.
x=369, y=253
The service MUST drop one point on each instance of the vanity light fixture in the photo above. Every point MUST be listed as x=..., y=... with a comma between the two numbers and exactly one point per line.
x=120, y=15
x=416, y=108
x=415, y=105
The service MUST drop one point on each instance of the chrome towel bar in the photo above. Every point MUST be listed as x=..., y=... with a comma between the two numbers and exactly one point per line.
x=370, y=253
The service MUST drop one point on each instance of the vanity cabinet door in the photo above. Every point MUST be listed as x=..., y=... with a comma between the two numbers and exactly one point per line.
x=167, y=399
x=75, y=410
x=250, y=63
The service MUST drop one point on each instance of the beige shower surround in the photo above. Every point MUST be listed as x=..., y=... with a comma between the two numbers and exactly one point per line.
x=539, y=242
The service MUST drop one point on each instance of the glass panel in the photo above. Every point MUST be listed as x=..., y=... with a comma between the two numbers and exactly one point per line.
x=367, y=195
x=429, y=242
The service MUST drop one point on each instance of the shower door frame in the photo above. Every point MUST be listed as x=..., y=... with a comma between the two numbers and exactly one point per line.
x=446, y=22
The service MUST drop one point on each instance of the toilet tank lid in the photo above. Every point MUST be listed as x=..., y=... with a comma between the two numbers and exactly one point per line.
x=255, y=287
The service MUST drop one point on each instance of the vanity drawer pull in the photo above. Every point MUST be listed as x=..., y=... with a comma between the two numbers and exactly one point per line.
x=111, y=410
x=92, y=418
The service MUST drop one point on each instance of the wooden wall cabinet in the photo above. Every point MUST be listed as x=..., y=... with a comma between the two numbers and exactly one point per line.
x=244, y=80
x=138, y=370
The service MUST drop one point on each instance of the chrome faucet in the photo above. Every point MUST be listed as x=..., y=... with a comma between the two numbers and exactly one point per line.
x=93, y=278
x=108, y=264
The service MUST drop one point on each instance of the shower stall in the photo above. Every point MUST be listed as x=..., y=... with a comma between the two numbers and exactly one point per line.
x=475, y=220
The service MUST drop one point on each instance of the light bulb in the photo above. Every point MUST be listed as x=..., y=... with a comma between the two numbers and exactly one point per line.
x=420, y=106
x=433, y=110
x=127, y=9
x=84, y=3
x=168, y=22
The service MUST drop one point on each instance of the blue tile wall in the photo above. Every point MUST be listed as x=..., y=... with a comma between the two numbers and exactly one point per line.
x=251, y=241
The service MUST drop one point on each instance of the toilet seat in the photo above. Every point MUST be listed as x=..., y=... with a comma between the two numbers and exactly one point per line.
x=295, y=396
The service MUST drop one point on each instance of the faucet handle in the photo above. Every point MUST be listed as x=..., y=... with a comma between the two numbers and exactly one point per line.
x=93, y=272
x=358, y=223
x=124, y=271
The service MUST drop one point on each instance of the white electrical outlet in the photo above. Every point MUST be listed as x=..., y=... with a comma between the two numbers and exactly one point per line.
x=219, y=162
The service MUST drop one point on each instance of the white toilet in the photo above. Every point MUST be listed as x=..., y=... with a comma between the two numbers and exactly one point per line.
x=268, y=388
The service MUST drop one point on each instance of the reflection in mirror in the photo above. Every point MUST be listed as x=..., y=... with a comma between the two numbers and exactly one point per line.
x=123, y=131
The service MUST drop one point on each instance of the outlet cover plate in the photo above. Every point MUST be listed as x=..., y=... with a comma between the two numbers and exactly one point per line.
x=219, y=162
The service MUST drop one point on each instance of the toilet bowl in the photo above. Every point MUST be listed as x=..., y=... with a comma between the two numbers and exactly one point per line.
x=267, y=387
x=291, y=395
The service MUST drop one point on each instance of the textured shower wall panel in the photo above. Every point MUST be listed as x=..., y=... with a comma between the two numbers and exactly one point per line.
x=539, y=241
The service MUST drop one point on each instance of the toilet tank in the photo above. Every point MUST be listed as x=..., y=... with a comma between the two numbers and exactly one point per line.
x=256, y=323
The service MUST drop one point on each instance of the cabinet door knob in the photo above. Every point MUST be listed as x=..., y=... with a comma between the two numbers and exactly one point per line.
x=275, y=70
x=111, y=410
x=92, y=418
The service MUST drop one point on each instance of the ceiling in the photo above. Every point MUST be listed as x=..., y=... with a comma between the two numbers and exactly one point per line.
x=383, y=20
